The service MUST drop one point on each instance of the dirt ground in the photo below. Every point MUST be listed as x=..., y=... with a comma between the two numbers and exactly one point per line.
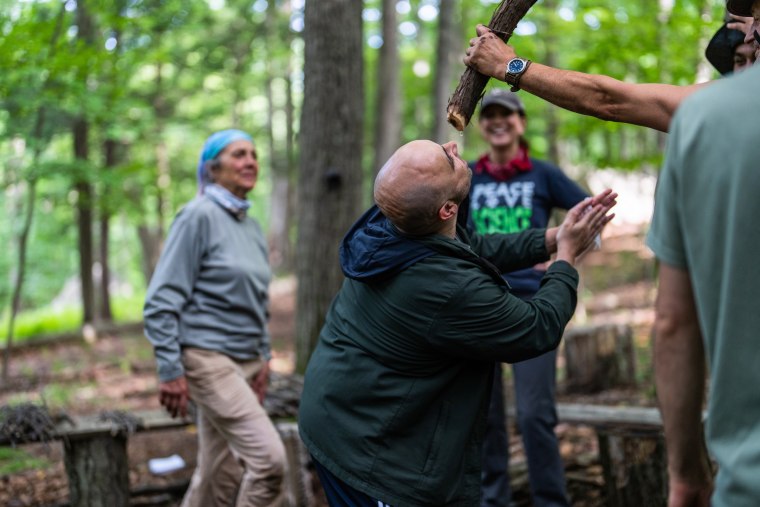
x=117, y=373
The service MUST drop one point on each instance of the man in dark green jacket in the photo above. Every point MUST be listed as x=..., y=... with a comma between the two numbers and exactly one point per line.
x=396, y=392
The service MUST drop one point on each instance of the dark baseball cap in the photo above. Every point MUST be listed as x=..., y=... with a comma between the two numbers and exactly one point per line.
x=720, y=50
x=504, y=98
x=740, y=7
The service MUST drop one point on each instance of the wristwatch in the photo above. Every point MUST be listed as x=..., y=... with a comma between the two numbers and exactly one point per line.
x=516, y=67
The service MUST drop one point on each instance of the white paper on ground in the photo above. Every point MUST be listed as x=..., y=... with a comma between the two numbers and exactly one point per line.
x=159, y=466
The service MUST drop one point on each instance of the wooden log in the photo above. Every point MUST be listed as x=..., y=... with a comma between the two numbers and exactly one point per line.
x=471, y=85
x=603, y=415
x=599, y=358
x=298, y=479
x=98, y=472
x=634, y=466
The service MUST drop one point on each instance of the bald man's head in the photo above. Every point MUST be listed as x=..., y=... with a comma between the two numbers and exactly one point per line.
x=418, y=183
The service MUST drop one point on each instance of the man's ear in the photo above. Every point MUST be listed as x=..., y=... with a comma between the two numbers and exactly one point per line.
x=448, y=211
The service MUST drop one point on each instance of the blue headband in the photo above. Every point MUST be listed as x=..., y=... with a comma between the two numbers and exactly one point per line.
x=215, y=143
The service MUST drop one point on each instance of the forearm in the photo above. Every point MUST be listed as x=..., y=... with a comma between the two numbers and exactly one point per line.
x=170, y=289
x=680, y=378
x=510, y=252
x=545, y=316
x=603, y=97
x=587, y=94
x=161, y=315
x=162, y=331
x=483, y=321
x=551, y=239
x=648, y=105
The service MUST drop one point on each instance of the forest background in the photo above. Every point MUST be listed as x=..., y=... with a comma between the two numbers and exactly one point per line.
x=105, y=104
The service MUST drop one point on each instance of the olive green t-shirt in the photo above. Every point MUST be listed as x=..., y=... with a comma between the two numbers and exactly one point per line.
x=707, y=221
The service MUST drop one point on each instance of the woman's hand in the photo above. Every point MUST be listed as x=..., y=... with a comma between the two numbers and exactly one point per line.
x=173, y=395
x=582, y=224
x=260, y=382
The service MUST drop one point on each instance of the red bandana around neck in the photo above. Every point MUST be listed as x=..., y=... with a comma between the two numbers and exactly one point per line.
x=503, y=172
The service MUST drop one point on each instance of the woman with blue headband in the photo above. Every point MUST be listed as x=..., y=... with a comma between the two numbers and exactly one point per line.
x=206, y=315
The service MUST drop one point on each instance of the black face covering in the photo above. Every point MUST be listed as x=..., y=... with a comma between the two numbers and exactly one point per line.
x=756, y=36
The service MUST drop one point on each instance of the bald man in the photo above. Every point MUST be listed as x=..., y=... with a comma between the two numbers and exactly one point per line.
x=396, y=392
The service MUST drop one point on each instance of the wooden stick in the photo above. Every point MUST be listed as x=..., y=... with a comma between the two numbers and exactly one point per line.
x=472, y=83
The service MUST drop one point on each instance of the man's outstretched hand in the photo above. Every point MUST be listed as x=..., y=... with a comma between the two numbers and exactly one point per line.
x=582, y=224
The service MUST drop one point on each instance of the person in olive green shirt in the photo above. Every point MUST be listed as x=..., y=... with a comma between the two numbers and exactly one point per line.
x=705, y=235
x=396, y=392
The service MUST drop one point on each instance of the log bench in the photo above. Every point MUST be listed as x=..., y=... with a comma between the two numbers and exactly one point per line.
x=95, y=456
x=631, y=450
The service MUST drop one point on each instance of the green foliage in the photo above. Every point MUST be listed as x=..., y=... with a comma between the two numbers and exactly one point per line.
x=15, y=460
x=43, y=321
x=128, y=309
x=48, y=321
x=59, y=395
x=157, y=76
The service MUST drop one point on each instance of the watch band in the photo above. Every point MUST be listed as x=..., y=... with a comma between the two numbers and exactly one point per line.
x=516, y=84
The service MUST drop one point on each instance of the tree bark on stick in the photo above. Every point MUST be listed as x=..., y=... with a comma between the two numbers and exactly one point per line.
x=471, y=85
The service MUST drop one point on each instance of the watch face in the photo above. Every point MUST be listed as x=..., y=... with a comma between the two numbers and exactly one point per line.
x=515, y=66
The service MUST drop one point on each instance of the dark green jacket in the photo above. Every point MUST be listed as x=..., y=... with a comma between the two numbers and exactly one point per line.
x=396, y=392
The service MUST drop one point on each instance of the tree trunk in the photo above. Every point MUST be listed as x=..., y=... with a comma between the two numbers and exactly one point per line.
x=279, y=219
x=447, y=42
x=105, y=315
x=290, y=158
x=98, y=471
x=164, y=179
x=279, y=223
x=388, y=106
x=599, y=358
x=634, y=466
x=20, y=272
x=39, y=126
x=152, y=236
x=151, y=242
x=330, y=171
x=471, y=85
x=84, y=223
x=82, y=185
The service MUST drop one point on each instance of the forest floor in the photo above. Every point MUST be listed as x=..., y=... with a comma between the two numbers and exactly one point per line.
x=117, y=373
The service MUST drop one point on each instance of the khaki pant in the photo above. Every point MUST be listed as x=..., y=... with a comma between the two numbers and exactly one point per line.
x=237, y=443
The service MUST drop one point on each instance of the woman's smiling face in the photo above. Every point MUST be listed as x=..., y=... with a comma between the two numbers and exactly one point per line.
x=237, y=168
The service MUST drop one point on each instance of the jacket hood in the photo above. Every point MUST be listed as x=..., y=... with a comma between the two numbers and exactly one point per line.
x=373, y=249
